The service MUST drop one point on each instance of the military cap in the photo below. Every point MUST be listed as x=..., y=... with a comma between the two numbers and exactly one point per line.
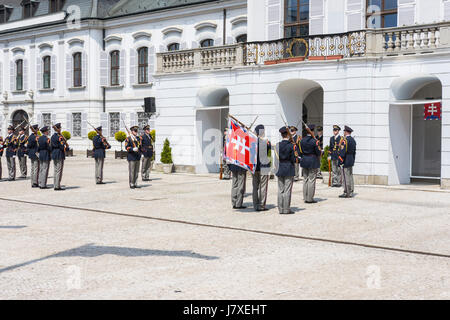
x=259, y=127
x=57, y=126
x=44, y=129
x=348, y=129
x=294, y=128
x=134, y=128
x=311, y=126
x=319, y=128
x=35, y=127
x=99, y=128
x=336, y=127
x=283, y=130
x=11, y=128
x=146, y=127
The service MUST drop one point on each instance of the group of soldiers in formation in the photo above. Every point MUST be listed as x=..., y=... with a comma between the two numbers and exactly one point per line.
x=291, y=153
x=42, y=150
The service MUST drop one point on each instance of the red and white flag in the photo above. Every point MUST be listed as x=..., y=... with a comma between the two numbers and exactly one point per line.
x=241, y=146
x=432, y=111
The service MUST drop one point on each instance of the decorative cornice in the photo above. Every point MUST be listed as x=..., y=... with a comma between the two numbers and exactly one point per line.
x=113, y=37
x=75, y=40
x=239, y=19
x=205, y=24
x=16, y=49
x=172, y=29
x=142, y=34
x=45, y=45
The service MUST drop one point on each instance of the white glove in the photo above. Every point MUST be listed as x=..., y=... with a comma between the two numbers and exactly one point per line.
x=135, y=149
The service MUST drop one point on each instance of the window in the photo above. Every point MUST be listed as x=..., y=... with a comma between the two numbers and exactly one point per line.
x=143, y=120
x=5, y=12
x=173, y=47
x=76, y=124
x=143, y=65
x=114, y=123
x=242, y=38
x=207, y=43
x=115, y=68
x=55, y=5
x=47, y=72
x=381, y=13
x=296, y=18
x=47, y=120
x=19, y=75
x=77, y=69
x=28, y=8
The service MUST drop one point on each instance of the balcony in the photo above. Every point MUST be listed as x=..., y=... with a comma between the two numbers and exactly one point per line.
x=372, y=42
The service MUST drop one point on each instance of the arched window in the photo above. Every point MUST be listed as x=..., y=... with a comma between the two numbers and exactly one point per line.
x=242, y=38
x=173, y=47
x=207, y=43
x=47, y=71
x=19, y=75
x=115, y=67
x=143, y=65
x=77, y=69
x=55, y=5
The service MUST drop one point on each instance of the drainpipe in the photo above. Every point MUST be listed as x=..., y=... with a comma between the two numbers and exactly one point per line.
x=103, y=88
x=224, y=26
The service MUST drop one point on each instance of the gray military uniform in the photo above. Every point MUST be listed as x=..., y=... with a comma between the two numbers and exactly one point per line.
x=309, y=183
x=43, y=173
x=34, y=171
x=11, y=162
x=58, y=166
x=238, y=183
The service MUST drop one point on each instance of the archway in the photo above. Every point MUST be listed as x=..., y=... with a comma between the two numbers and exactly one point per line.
x=211, y=120
x=18, y=117
x=300, y=99
x=415, y=140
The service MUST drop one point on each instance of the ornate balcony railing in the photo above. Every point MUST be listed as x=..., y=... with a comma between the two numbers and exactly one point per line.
x=371, y=42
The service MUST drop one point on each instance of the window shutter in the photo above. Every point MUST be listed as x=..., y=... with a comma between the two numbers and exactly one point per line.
x=447, y=11
x=104, y=68
x=12, y=76
x=25, y=74
x=69, y=71
x=316, y=17
x=53, y=72
x=406, y=12
x=133, y=69
x=132, y=119
x=84, y=130
x=122, y=67
x=151, y=63
x=39, y=120
x=104, y=122
x=123, y=120
x=1, y=77
x=39, y=73
x=84, y=69
x=69, y=122
x=53, y=117
x=274, y=19
x=355, y=15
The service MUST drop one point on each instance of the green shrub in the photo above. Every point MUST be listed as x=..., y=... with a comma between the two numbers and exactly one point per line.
x=120, y=136
x=66, y=134
x=92, y=134
x=324, y=160
x=153, y=135
x=166, y=154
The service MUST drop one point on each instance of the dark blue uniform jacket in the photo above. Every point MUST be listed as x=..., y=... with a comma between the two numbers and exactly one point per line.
x=58, y=147
x=310, y=153
x=347, y=154
x=286, y=159
x=147, y=146
x=129, y=145
x=11, y=145
x=334, y=147
x=32, y=147
x=99, y=147
x=22, y=146
x=44, y=148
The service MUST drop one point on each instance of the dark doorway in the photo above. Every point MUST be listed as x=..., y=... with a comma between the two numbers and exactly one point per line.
x=18, y=118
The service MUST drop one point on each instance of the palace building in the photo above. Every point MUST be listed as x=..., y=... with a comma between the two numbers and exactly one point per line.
x=381, y=67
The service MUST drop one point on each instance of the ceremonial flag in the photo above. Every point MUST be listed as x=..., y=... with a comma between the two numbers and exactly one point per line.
x=432, y=111
x=241, y=146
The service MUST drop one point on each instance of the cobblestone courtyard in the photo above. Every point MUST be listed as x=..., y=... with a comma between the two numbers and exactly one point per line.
x=178, y=238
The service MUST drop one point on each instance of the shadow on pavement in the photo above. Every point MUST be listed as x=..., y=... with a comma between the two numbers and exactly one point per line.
x=91, y=250
x=12, y=227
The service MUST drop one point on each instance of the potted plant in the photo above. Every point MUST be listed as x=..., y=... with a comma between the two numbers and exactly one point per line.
x=166, y=157
x=120, y=136
x=90, y=153
x=67, y=136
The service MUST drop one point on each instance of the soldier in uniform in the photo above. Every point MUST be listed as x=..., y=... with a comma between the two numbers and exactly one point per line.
x=133, y=147
x=225, y=169
x=100, y=145
x=11, y=149
x=147, y=153
x=310, y=153
x=32, y=147
x=45, y=155
x=320, y=138
x=239, y=177
x=59, y=147
x=335, y=140
x=262, y=171
x=286, y=159
x=297, y=140
x=22, y=152
x=347, y=154
x=1, y=155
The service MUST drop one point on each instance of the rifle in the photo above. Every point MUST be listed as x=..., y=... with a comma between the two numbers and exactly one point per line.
x=29, y=125
x=291, y=138
x=65, y=140
x=15, y=128
x=253, y=122
x=107, y=145
x=130, y=134
x=312, y=134
x=329, y=172
x=242, y=124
